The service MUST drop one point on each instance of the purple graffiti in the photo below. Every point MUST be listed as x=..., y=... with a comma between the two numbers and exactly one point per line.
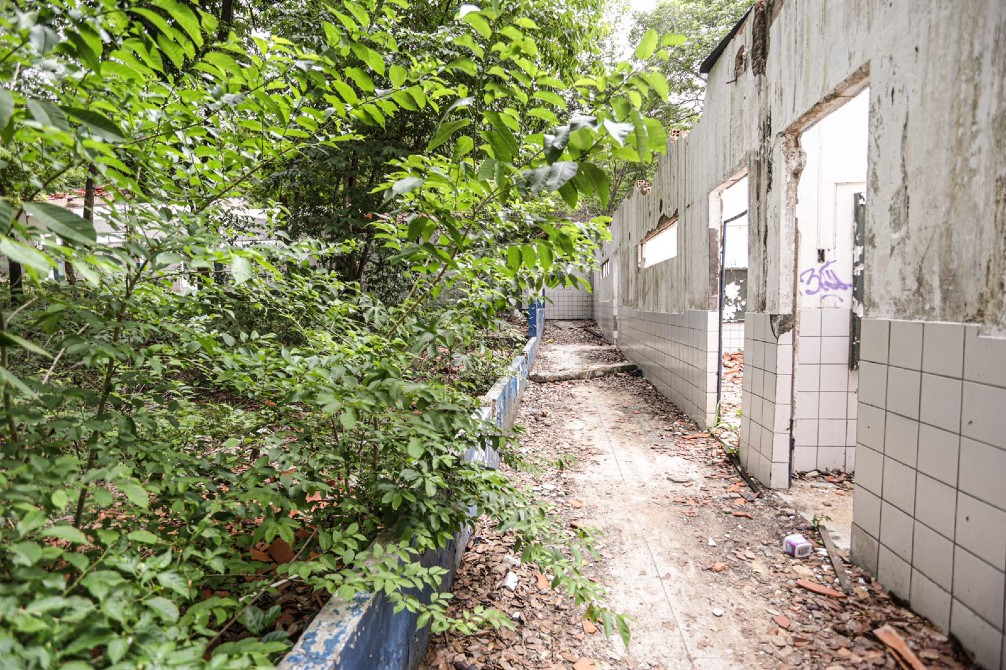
x=823, y=280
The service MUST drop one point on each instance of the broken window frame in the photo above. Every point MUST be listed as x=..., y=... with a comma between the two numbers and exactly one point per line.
x=666, y=227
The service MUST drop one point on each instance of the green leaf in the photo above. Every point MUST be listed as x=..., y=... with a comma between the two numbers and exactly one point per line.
x=346, y=92
x=623, y=630
x=559, y=174
x=555, y=144
x=404, y=99
x=551, y=98
x=62, y=222
x=226, y=63
x=416, y=227
x=116, y=648
x=657, y=135
x=12, y=379
x=6, y=108
x=47, y=114
x=647, y=45
x=463, y=147
x=397, y=74
x=59, y=499
x=184, y=16
x=658, y=82
x=358, y=12
x=166, y=609
x=99, y=125
x=174, y=582
x=569, y=194
x=9, y=340
x=618, y=131
x=25, y=255
x=478, y=22
x=361, y=78
x=407, y=185
x=504, y=143
x=136, y=493
x=545, y=255
x=487, y=171
x=143, y=537
x=600, y=180
x=368, y=56
x=672, y=40
x=241, y=269
x=29, y=552
x=68, y=533
x=445, y=131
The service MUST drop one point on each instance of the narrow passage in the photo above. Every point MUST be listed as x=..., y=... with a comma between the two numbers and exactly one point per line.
x=686, y=549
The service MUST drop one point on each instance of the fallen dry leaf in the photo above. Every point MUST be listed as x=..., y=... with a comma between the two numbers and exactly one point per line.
x=584, y=664
x=280, y=551
x=542, y=581
x=781, y=620
x=588, y=627
x=576, y=503
x=746, y=515
x=718, y=566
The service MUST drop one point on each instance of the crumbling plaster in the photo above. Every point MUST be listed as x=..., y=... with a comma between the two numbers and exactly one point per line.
x=936, y=197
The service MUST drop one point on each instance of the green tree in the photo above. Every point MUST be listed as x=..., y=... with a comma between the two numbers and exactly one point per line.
x=701, y=25
x=213, y=413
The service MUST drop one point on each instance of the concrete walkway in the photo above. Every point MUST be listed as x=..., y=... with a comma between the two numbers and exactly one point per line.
x=683, y=617
x=685, y=548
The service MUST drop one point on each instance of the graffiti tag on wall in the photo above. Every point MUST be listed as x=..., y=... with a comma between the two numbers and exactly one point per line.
x=822, y=280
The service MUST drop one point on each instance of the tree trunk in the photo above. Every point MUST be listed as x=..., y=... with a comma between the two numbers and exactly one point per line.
x=15, y=271
x=16, y=282
x=71, y=274
x=226, y=19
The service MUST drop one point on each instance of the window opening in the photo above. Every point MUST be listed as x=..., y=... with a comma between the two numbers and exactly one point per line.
x=661, y=244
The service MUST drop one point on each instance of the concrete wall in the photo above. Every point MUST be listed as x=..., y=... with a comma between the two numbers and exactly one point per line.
x=934, y=253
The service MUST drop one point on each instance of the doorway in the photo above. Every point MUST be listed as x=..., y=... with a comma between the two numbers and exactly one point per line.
x=729, y=207
x=829, y=195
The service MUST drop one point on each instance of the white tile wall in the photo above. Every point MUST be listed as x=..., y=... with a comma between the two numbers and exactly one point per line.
x=733, y=336
x=930, y=496
x=826, y=390
x=568, y=303
x=767, y=408
x=677, y=353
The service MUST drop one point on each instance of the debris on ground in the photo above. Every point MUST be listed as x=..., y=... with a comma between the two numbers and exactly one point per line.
x=683, y=546
x=728, y=429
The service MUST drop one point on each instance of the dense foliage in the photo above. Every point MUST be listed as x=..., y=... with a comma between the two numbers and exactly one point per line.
x=700, y=25
x=213, y=411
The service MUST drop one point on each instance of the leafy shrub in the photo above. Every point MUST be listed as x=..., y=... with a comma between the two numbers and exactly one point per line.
x=206, y=419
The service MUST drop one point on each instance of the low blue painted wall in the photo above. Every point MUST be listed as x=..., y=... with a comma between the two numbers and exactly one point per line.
x=365, y=633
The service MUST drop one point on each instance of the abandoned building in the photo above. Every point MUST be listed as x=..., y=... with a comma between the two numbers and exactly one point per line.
x=839, y=214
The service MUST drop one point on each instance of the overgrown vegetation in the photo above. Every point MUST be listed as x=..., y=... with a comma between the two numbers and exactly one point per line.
x=199, y=414
x=701, y=24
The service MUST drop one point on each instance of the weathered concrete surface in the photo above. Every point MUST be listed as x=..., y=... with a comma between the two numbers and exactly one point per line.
x=936, y=192
x=658, y=572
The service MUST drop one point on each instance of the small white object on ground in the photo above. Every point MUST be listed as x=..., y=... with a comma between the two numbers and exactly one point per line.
x=511, y=581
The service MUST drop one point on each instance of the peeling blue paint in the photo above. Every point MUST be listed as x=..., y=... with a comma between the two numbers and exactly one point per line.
x=365, y=633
